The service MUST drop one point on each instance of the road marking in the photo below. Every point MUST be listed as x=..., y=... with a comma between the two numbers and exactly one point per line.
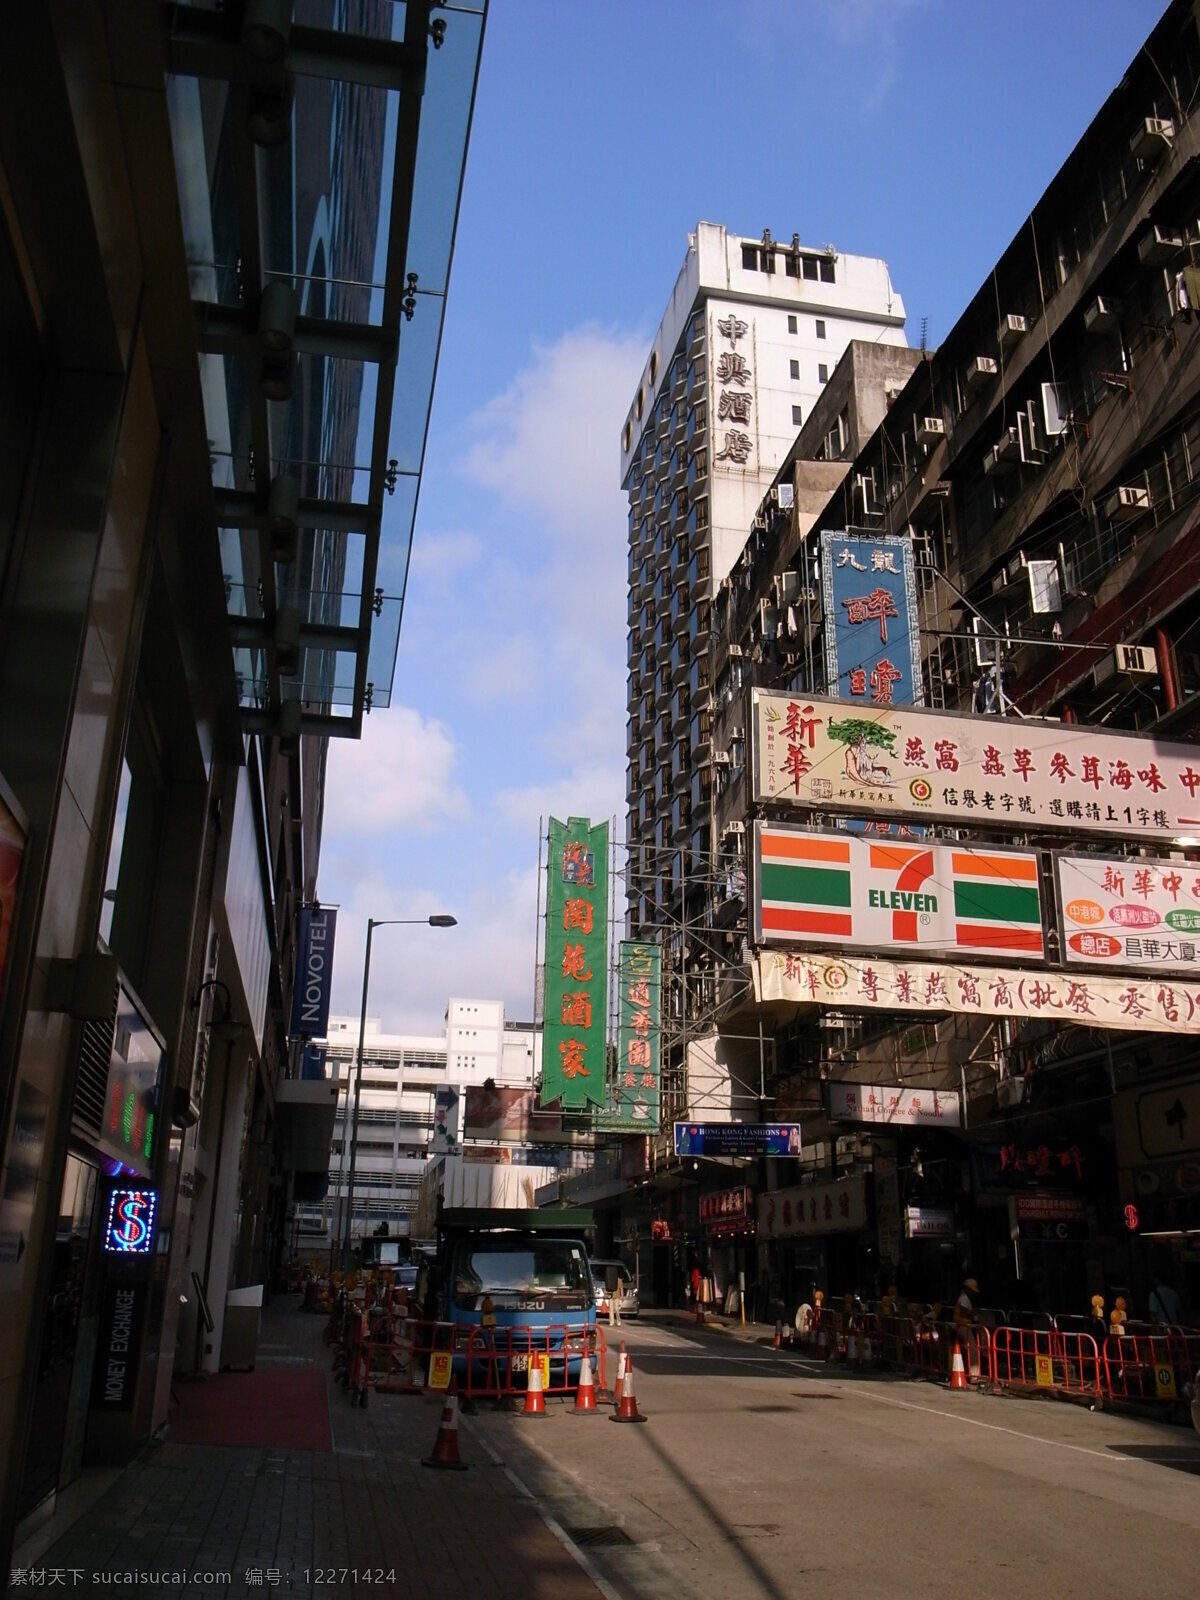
x=995, y=1427
x=556, y=1528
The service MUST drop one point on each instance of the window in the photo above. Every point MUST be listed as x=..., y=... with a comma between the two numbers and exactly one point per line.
x=822, y=373
x=797, y=416
x=809, y=264
x=794, y=369
x=792, y=328
x=750, y=258
x=827, y=270
x=820, y=329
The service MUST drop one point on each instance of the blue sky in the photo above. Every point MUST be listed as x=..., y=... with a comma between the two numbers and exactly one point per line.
x=922, y=131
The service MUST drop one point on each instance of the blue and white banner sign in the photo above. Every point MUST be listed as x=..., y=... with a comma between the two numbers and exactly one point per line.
x=314, y=972
x=737, y=1138
x=872, y=640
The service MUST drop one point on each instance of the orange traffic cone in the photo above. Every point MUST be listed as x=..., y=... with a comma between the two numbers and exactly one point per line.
x=585, y=1395
x=445, y=1446
x=622, y=1362
x=778, y=1334
x=535, y=1399
x=958, y=1372
x=627, y=1410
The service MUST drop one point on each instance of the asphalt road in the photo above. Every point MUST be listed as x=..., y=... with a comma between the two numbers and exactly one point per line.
x=761, y=1474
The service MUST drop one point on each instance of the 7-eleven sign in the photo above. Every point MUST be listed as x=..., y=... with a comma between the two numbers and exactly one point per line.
x=835, y=889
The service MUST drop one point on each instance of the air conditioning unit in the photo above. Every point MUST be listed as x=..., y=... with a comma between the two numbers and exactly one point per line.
x=1010, y=1092
x=721, y=758
x=1126, y=661
x=930, y=430
x=1101, y=315
x=1159, y=246
x=1126, y=502
x=736, y=733
x=1005, y=452
x=1012, y=327
x=1152, y=138
x=982, y=370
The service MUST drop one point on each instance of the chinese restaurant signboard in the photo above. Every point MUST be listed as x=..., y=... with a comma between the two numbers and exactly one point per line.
x=1130, y=913
x=574, y=1033
x=819, y=754
x=872, y=643
x=830, y=888
x=1094, y=1000
x=633, y=1103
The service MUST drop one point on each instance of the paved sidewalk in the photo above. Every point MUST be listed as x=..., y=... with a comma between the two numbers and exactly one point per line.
x=290, y=1521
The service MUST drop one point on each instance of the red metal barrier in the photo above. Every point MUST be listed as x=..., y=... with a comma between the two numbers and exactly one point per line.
x=493, y=1361
x=1151, y=1369
x=1045, y=1360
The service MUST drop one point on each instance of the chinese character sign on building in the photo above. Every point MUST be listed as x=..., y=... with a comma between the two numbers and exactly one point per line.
x=887, y=1103
x=733, y=391
x=633, y=1097
x=823, y=754
x=574, y=1057
x=1092, y=1000
x=831, y=888
x=1130, y=913
x=872, y=642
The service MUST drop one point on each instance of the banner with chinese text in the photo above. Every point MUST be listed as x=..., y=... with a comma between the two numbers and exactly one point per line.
x=634, y=1102
x=909, y=1108
x=831, y=888
x=574, y=1056
x=839, y=1207
x=1130, y=913
x=1095, y=1001
x=820, y=754
x=872, y=641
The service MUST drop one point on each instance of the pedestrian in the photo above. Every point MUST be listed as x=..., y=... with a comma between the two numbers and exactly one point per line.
x=612, y=1293
x=965, y=1314
x=1165, y=1309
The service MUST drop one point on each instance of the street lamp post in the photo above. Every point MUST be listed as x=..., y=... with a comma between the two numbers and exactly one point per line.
x=438, y=920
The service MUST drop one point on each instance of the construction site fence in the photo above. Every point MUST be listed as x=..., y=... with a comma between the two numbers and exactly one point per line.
x=1153, y=1369
x=396, y=1356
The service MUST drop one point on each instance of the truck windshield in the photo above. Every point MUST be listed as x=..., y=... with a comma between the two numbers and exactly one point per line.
x=555, y=1268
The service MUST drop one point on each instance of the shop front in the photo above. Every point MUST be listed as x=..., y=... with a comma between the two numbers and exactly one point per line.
x=811, y=1237
x=729, y=1264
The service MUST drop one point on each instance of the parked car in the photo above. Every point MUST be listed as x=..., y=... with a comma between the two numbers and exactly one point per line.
x=629, y=1301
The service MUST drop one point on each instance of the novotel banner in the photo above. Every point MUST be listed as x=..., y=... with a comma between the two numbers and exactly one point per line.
x=314, y=972
x=890, y=894
x=981, y=772
x=1130, y=912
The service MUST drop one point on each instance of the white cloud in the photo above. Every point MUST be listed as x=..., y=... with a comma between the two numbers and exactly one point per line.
x=400, y=774
x=439, y=560
x=596, y=792
x=551, y=440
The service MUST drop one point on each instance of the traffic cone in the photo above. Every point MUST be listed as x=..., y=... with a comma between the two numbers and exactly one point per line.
x=627, y=1410
x=958, y=1372
x=865, y=1348
x=535, y=1399
x=445, y=1446
x=852, y=1349
x=622, y=1362
x=585, y=1395
x=778, y=1334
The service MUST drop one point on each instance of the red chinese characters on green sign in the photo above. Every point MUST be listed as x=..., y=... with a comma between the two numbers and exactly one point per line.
x=573, y=1043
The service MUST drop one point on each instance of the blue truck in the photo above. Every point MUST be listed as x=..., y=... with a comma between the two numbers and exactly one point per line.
x=524, y=1275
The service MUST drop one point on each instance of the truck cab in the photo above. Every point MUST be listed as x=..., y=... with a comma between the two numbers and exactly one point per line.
x=532, y=1269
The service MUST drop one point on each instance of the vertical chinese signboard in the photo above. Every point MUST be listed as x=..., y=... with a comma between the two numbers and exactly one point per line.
x=634, y=1102
x=573, y=1054
x=733, y=391
x=872, y=642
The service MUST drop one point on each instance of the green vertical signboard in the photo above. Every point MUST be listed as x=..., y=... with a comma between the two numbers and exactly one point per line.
x=634, y=1102
x=573, y=1036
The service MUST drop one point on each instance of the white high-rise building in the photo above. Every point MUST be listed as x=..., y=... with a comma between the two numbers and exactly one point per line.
x=401, y=1074
x=753, y=330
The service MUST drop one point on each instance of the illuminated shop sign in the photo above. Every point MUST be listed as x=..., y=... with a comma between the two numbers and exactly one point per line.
x=129, y=1129
x=129, y=1228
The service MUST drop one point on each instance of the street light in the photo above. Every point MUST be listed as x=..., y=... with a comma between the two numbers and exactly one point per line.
x=440, y=919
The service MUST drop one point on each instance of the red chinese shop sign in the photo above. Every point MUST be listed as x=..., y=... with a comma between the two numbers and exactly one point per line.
x=726, y=1208
x=820, y=754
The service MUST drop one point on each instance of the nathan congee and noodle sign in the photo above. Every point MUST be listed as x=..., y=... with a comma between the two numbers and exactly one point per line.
x=574, y=1028
x=890, y=761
